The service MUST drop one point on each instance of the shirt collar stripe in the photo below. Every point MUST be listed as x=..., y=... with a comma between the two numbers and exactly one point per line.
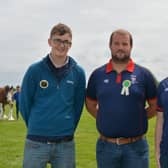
x=130, y=66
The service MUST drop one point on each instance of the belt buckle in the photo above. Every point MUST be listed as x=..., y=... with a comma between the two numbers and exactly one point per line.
x=49, y=143
x=118, y=141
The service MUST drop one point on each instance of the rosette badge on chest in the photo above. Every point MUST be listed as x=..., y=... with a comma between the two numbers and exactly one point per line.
x=125, y=87
x=43, y=84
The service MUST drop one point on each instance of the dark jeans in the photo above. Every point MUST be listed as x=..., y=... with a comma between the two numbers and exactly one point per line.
x=132, y=155
x=17, y=111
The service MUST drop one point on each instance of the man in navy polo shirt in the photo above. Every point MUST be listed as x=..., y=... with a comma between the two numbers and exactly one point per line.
x=116, y=96
x=161, y=136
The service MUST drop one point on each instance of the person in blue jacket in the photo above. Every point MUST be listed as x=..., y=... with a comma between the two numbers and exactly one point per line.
x=51, y=102
x=117, y=93
x=16, y=99
x=161, y=130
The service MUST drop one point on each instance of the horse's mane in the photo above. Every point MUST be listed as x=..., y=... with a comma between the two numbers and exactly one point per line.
x=7, y=88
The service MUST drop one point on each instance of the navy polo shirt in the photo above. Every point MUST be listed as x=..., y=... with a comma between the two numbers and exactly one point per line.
x=163, y=107
x=121, y=115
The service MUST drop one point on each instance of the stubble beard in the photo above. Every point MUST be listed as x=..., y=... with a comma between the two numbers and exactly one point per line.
x=120, y=60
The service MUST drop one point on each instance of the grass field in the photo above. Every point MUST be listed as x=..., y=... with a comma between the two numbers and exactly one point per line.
x=12, y=136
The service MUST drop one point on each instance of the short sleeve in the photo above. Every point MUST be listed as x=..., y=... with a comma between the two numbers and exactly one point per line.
x=151, y=85
x=91, y=87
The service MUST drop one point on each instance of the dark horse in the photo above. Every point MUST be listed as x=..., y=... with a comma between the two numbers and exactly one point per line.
x=6, y=98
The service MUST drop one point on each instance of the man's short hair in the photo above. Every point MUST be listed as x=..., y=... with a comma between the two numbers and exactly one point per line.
x=60, y=29
x=122, y=32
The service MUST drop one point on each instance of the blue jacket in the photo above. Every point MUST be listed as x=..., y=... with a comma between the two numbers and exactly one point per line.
x=16, y=97
x=50, y=106
x=162, y=101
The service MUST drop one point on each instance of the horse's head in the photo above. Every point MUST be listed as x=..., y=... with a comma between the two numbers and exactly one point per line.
x=9, y=94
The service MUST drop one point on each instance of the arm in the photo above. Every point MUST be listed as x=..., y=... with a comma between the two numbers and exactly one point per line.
x=151, y=92
x=158, y=135
x=79, y=97
x=91, y=95
x=151, y=108
x=26, y=96
x=14, y=97
x=92, y=107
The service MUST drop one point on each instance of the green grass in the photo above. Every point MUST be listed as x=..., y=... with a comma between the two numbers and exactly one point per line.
x=12, y=137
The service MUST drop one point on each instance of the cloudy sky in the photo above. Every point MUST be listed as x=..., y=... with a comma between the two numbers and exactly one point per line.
x=26, y=24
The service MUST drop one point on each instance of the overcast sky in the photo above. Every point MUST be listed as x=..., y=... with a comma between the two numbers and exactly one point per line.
x=26, y=24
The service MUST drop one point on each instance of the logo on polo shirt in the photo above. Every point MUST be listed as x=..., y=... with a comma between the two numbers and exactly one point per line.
x=106, y=80
x=166, y=89
x=133, y=79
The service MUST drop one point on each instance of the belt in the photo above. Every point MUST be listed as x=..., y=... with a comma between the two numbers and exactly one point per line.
x=121, y=140
x=54, y=141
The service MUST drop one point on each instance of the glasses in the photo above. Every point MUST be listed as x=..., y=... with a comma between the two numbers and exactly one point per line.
x=59, y=42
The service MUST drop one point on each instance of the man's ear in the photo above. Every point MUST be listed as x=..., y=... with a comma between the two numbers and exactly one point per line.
x=49, y=42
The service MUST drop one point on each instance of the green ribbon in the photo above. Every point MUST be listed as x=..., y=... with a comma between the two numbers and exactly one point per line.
x=125, y=89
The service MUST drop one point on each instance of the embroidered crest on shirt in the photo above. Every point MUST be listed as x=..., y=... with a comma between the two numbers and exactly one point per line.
x=133, y=79
x=106, y=80
x=125, y=87
x=44, y=84
x=166, y=89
